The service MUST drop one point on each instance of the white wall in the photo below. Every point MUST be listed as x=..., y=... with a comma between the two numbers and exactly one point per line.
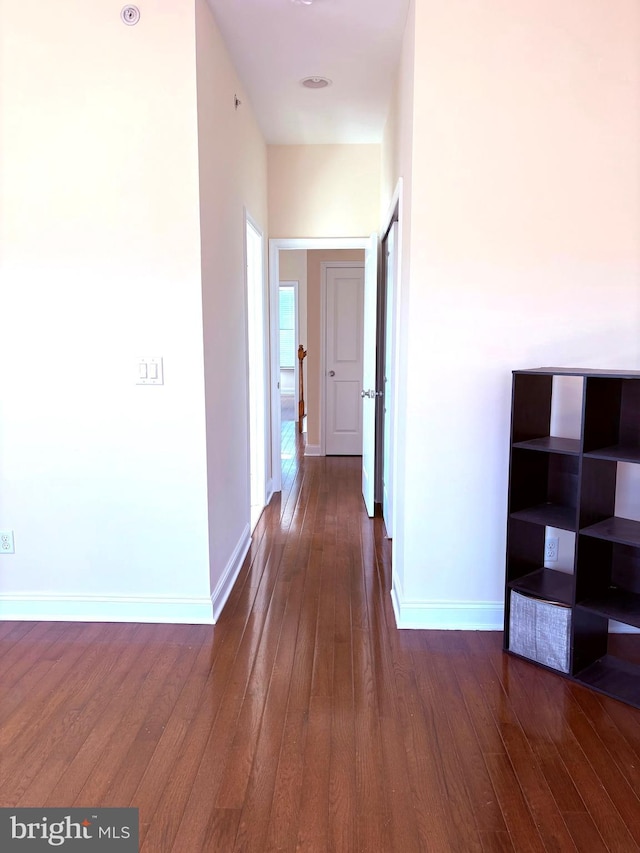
x=525, y=251
x=233, y=177
x=324, y=190
x=103, y=481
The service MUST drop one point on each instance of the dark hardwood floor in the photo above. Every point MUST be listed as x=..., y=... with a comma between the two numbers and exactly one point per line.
x=305, y=721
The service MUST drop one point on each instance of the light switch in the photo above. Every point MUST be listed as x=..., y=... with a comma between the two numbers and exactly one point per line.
x=149, y=371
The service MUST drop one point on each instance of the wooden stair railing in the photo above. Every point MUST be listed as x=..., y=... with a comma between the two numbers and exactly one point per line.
x=301, y=356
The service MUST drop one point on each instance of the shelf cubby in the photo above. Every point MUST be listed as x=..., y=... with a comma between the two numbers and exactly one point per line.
x=613, y=529
x=617, y=452
x=531, y=410
x=603, y=661
x=544, y=488
x=526, y=572
x=608, y=570
x=546, y=584
x=552, y=444
x=613, y=676
x=615, y=603
x=612, y=418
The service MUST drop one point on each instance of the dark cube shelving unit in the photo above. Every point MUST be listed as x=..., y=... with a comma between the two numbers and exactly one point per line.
x=570, y=483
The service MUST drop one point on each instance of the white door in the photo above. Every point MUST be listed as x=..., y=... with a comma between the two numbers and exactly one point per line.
x=343, y=360
x=388, y=388
x=368, y=400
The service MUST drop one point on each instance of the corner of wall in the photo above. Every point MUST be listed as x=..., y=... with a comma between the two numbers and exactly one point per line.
x=230, y=574
x=446, y=615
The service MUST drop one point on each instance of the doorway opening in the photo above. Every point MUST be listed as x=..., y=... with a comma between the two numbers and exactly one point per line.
x=257, y=361
x=288, y=340
x=276, y=248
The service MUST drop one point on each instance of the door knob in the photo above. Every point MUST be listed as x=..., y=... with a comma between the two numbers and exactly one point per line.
x=365, y=394
x=332, y=373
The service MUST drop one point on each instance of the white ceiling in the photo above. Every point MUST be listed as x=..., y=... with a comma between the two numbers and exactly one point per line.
x=274, y=44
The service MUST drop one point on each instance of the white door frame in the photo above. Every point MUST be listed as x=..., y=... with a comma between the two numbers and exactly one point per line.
x=395, y=205
x=388, y=379
x=370, y=375
x=257, y=392
x=324, y=266
x=275, y=244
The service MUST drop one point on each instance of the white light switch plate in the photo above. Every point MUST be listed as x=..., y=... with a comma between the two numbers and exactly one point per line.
x=149, y=371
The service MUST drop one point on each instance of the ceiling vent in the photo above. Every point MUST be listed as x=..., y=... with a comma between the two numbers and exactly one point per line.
x=316, y=82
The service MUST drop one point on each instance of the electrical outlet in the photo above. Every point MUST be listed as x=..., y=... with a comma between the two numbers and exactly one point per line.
x=6, y=542
x=551, y=549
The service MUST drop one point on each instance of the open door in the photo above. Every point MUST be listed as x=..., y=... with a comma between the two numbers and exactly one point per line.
x=389, y=248
x=369, y=392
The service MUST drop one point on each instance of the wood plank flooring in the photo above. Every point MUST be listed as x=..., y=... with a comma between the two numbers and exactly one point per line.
x=304, y=721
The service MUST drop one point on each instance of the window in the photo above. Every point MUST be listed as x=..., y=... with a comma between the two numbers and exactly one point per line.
x=287, y=327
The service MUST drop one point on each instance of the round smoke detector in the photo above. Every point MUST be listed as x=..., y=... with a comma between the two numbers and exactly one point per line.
x=316, y=82
x=130, y=15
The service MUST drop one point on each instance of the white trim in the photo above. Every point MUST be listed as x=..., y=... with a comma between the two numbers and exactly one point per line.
x=388, y=379
x=269, y=491
x=324, y=266
x=447, y=615
x=262, y=397
x=461, y=616
x=313, y=450
x=319, y=243
x=274, y=368
x=117, y=608
x=370, y=340
x=224, y=586
x=106, y=608
x=396, y=202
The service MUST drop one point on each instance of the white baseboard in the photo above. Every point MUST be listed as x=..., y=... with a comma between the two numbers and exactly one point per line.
x=224, y=586
x=312, y=450
x=106, y=608
x=448, y=615
x=114, y=608
x=461, y=615
x=269, y=491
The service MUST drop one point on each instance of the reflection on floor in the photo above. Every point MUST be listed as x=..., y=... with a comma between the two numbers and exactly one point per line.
x=304, y=720
x=289, y=441
x=287, y=411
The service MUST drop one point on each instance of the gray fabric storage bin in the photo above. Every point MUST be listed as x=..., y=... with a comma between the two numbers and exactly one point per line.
x=540, y=630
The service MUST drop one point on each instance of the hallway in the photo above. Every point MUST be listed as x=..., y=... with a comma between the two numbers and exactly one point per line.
x=305, y=721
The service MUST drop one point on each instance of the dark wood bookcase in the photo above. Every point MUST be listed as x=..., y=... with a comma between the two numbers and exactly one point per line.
x=569, y=483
